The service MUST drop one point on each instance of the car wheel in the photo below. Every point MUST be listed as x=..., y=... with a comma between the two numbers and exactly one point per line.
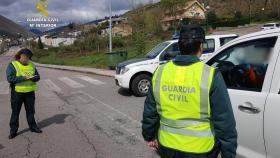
x=140, y=85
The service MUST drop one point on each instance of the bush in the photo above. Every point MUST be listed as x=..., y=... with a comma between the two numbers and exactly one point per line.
x=230, y=22
x=118, y=42
x=139, y=42
x=40, y=53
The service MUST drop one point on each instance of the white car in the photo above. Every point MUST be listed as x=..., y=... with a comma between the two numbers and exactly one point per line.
x=269, y=26
x=250, y=66
x=136, y=74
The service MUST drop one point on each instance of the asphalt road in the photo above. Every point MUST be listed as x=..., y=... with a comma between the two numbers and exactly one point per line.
x=81, y=115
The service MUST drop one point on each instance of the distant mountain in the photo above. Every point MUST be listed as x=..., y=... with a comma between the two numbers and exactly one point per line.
x=36, y=31
x=95, y=22
x=56, y=30
x=12, y=29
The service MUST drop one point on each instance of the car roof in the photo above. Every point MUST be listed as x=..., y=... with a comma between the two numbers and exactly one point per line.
x=221, y=36
x=209, y=36
x=272, y=32
x=271, y=23
x=260, y=33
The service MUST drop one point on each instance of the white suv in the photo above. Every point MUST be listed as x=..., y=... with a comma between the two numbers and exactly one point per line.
x=136, y=74
x=269, y=26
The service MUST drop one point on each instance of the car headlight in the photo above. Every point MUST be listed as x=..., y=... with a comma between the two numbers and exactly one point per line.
x=124, y=70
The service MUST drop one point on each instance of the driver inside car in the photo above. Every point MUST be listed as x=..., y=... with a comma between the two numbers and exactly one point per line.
x=255, y=69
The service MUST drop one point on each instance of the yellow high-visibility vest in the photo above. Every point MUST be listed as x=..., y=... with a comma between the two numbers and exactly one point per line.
x=25, y=71
x=182, y=97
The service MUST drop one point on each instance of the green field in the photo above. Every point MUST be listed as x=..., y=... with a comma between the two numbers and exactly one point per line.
x=64, y=56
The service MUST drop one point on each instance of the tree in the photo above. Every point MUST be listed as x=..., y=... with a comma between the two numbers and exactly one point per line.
x=40, y=44
x=238, y=14
x=171, y=6
x=153, y=23
x=212, y=17
x=138, y=29
x=71, y=26
x=3, y=46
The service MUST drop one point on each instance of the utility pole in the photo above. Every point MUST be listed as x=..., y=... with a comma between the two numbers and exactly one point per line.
x=110, y=23
x=250, y=10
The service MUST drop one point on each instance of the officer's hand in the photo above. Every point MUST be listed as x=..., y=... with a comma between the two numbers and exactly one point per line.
x=26, y=78
x=29, y=77
x=153, y=144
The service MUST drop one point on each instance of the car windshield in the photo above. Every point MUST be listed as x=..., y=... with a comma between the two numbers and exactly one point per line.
x=155, y=51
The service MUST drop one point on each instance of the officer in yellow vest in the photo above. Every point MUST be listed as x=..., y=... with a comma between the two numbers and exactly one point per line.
x=22, y=76
x=187, y=112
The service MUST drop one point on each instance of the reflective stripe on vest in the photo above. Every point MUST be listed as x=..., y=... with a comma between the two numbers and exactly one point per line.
x=25, y=71
x=195, y=131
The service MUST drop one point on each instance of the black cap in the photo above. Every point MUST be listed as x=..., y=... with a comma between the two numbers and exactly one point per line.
x=192, y=32
x=27, y=52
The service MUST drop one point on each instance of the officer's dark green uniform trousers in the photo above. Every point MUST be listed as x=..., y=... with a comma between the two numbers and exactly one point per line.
x=184, y=107
x=23, y=93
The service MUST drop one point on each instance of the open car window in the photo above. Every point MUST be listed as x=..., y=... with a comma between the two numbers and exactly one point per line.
x=244, y=65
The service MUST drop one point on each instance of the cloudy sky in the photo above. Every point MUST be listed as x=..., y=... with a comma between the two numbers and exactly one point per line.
x=66, y=10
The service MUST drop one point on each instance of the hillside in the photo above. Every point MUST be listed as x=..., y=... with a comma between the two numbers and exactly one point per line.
x=10, y=28
x=261, y=10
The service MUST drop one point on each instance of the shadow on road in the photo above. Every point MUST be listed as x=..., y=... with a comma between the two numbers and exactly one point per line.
x=125, y=92
x=1, y=146
x=56, y=119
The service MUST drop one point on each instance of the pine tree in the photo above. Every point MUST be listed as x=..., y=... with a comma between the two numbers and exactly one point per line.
x=40, y=44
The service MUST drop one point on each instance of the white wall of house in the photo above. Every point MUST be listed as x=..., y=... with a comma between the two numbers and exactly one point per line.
x=56, y=42
x=62, y=41
x=75, y=34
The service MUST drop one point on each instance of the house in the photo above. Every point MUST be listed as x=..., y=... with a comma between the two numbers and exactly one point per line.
x=57, y=40
x=62, y=41
x=122, y=30
x=115, y=20
x=75, y=33
x=192, y=10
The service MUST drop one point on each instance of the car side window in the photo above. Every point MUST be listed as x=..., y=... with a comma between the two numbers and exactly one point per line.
x=244, y=65
x=209, y=46
x=171, y=52
x=225, y=40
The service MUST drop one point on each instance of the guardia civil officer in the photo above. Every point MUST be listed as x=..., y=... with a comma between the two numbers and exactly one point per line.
x=188, y=107
x=22, y=76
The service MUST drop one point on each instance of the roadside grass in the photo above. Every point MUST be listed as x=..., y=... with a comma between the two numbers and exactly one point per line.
x=72, y=57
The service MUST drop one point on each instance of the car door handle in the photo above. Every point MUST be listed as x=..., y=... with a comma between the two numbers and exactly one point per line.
x=249, y=108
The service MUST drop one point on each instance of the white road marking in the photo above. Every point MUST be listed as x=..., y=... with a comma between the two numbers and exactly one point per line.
x=4, y=87
x=71, y=82
x=91, y=80
x=51, y=86
x=137, y=123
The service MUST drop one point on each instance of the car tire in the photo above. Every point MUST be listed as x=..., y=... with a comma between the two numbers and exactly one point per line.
x=140, y=85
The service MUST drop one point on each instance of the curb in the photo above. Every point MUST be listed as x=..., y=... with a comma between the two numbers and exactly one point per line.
x=101, y=72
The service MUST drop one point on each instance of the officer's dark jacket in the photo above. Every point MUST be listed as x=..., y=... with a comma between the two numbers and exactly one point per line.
x=222, y=116
x=13, y=79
